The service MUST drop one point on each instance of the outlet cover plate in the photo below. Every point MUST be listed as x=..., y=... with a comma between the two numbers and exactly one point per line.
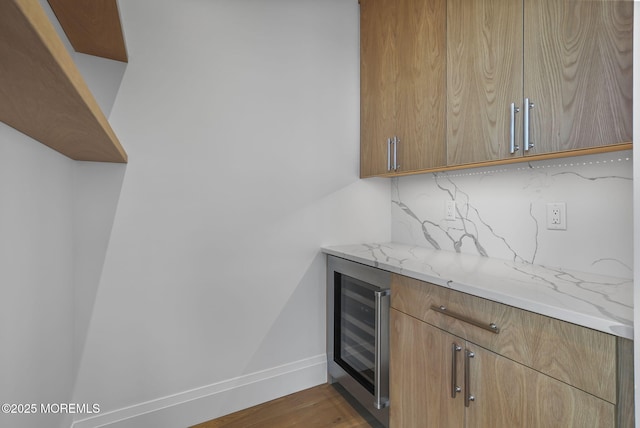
x=450, y=210
x=557, y=216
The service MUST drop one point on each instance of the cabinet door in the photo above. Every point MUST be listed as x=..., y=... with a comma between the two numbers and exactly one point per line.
x=421, y=85
x=378, y=76
x=508, y=394
x=420, y=375
x=484, y=76
x=578, y=73
x=402, y=84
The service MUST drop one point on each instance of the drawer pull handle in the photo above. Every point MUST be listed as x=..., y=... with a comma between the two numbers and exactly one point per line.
x=492, y=327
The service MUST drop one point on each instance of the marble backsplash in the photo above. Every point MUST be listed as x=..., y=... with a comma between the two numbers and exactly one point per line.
x=501, y=212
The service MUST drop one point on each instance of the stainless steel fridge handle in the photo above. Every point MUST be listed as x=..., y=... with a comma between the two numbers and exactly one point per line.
x=380, y=383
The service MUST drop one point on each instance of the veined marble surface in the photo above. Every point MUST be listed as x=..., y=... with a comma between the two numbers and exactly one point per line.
x=502, y=212
x=599, y=302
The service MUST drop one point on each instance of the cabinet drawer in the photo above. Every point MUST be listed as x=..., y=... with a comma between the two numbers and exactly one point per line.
x=576, y=355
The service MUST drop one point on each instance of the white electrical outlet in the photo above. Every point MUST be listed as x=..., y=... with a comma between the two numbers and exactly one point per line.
x=450, y=210
x=557, y=216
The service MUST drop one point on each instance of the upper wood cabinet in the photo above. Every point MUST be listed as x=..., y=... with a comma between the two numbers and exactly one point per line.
x=572, y=59
x=484, y=75
x=578, y=70
x=403, y=94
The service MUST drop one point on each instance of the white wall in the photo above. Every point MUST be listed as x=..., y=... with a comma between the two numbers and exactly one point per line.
x=200, y=270
x=45, y=248
x=188, y=283
x=36, y=278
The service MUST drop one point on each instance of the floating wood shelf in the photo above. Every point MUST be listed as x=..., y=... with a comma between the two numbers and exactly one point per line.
x=93, y=27
x=42, y=93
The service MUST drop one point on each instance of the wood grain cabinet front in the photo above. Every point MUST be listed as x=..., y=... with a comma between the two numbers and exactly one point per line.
x=535, y=77
x=499, y=365
x=420, y=372
x=402, y=80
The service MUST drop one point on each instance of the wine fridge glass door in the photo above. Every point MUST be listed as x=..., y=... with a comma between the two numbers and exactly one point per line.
x=354, y=347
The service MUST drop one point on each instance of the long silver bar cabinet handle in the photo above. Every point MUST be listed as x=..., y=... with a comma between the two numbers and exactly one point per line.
x=396, y=141
x=492, y=327
x=388, y=154
x=528, y=105
x=455, y=348
x=468, y=397
x=512, y=129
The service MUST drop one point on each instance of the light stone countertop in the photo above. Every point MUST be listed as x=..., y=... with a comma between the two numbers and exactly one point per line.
x=594, y=301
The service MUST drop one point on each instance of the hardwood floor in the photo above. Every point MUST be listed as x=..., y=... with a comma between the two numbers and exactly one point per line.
x=321, y=406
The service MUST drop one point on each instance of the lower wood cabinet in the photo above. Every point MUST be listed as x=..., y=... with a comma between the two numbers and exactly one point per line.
x=485, y=390
x=447, y=377
x=420, y=371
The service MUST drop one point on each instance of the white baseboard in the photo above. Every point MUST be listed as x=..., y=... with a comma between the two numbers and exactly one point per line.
x=208, y=402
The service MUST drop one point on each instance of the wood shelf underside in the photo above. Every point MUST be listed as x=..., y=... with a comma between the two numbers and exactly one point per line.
x=43, y=94
x=93, y=27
